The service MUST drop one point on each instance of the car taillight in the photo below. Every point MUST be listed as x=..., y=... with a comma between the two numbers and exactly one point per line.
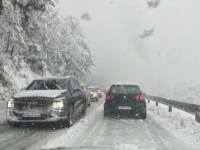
x=109, y=97
x=140, y=98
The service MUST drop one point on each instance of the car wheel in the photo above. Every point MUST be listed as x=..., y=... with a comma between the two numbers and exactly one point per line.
x=89, y=104
x=84, y=109
x=70, y=120
x=105, y=113
x=97, y=100
x=144, y=115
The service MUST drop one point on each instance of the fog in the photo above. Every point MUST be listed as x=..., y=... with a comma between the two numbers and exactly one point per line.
x=131, y=41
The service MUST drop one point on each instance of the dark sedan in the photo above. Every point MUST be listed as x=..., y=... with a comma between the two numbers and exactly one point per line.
x=125, y=100
x=48, y=100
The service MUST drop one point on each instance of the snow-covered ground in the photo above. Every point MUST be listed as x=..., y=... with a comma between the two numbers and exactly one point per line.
x=181, y=124
x=161, y=130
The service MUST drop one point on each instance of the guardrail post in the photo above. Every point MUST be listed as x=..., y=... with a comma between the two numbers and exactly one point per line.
x=197, y=118
x=148, y=100
x=156, y=103
x=170, y=108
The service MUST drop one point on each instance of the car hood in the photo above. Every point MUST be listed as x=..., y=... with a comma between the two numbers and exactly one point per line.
x=39, y=93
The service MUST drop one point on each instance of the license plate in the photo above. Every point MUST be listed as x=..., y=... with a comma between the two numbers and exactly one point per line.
x=124, y=107
x=29, y=114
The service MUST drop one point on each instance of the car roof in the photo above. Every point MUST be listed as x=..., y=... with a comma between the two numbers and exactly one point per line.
x=133, y=84
x=54, y=78
x=82, y=84
x=92, y=87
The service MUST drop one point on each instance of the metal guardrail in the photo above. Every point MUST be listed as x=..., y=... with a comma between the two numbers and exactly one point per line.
x=187, y=107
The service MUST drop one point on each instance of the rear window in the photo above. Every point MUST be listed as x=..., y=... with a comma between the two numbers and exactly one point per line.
x=92, y=89
x=125, y=89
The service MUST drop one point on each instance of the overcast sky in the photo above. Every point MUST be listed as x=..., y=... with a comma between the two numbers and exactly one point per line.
x=113, y=30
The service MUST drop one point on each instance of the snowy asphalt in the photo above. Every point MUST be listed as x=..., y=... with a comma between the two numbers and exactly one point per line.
x=99, y=132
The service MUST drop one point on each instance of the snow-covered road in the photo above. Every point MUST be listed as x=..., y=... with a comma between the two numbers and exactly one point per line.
x=94, y=131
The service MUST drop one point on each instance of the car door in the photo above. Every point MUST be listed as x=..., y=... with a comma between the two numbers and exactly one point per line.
x=74, y=94
x=80, y=94
x=87, y=95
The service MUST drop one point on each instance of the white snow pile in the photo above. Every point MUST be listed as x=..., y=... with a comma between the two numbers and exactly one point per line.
x=124, y=146
x=69, y=135
x=180, y=123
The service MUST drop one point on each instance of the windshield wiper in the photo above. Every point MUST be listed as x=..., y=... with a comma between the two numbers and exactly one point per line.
x=45, y=86
x=56, y=85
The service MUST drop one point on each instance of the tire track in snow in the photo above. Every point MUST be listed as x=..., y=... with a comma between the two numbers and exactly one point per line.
x=94, y=134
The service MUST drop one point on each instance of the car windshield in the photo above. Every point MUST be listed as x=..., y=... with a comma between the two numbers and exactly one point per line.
x=55, y=84
x=92, y=89
x=124, y=89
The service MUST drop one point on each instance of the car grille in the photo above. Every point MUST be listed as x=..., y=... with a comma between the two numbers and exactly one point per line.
x=28, y=103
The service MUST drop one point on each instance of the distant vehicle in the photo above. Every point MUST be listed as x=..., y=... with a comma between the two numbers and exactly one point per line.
x=48, y=100
x=93, y=94
x=106, y=90
x=99, y=91
x=125, y=100
x=87, y=94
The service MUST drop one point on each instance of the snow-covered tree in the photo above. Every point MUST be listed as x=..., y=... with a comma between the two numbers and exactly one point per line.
x=35, y=40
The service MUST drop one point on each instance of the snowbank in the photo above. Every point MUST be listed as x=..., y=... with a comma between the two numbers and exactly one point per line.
x=69, y=135
x=179, y=123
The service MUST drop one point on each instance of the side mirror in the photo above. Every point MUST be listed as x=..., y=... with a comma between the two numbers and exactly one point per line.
x=22, y=89
x=144, y=94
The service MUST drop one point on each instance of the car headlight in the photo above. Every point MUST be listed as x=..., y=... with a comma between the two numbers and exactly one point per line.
x=11, y=103
x=94, y=95
x=57, y=105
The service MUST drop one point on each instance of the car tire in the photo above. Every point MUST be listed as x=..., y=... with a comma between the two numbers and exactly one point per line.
x=144, y=115
x=104, y=113
x=97, y=100
x=89, y=104
x=84, y=108
x=70, y=120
